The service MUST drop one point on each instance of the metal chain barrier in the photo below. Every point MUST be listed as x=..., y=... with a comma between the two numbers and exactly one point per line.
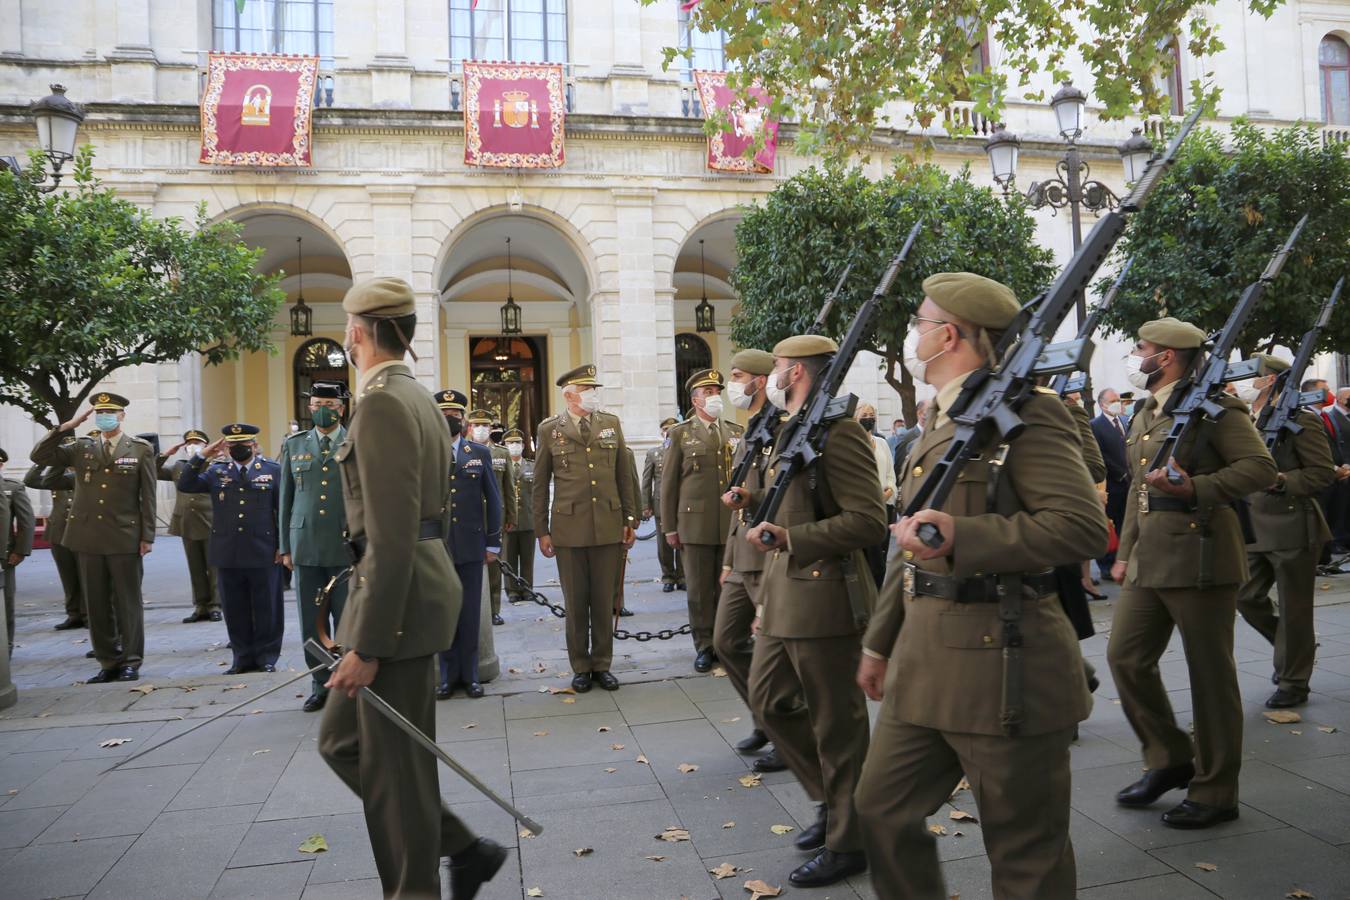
x=528, y=591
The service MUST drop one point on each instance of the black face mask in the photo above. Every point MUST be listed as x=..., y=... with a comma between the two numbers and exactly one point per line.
x=456, y=425
x=496, y=436
x=869, y=425
x=240, y=452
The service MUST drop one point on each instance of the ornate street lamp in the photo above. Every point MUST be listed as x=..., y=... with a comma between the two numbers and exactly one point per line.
x=704, y=314
x=1135, y=154
x=302, y=317
x=1002, y=148
x=510, y=309
x=58, y=121
x=1068, y=105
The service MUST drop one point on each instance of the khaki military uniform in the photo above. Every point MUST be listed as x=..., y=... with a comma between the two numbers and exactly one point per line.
x=1092, y=452
x=520, y=547
x=1183, y=570
x=695, y=473
x=942, y=712
x=112, y=514
x=62, y=486
x=593, y=499
x=1290, y=531
x=808, y=645
x=402, y=607
x=672, y=567
x=16, y=537
x=505, y=471
x=191, y=523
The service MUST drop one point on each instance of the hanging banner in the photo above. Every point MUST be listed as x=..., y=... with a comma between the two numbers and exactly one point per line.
x=726, y=148
x=513, y=115
x=257, y=108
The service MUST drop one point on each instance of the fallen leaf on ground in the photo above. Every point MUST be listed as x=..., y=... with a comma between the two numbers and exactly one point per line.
x=535, y=892
x=541, y=734
x=1299, y=894
x=1207, y=867
x=222, y=663
x=611, y=770
x=114, y=742
x=749, y=781
x=728, y=824
x=642, y=760
x=189, y=688
x=512, y=670
x=315, y=843
x=467, y=725
x=616, y=746
x=569, y=699
x=540, y=668
x=937, y=829
x=686, y=768
x=960, y=815
x=80, y=641
x=759, y=888
x=234, y=687
x=583, y=851
x=732, y=721
x=254, y=712
x=142, y=689
x=781, y=829
x=526, y=834
x=12, y=791
x=673, y=834
x=1294, y=731
x=558, y=690
x=602, y=729
x=655, y=858
x=1327, y=729
x=1282, y=716
x=725, y=870
x=719, y=672
x=262, y=751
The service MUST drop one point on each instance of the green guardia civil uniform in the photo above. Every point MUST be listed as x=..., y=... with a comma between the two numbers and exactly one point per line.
x=672, y=566
x=62, y=485
x=190, y=522
x=505, y=472
x=520, y=546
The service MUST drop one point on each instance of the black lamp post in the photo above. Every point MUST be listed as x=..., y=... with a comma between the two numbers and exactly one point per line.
x=58, y=121
x=510, y=309
x=302, y=317
x=704, y=314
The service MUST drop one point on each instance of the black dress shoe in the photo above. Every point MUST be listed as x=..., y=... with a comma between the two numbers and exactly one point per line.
x=239, y=669
x=625, y=611
x=769, y=762
x=498, y=620
x=1155, y=783
x=828, y=867
x=444, y=691
x=704, y=661
x=69, y=623
x=474, y=867
x=268, y=667
x=474, y=690
x=214, y=615
x=1093, y=683
x=1285, y=698
x=667, y=588
x=756, y=742
x=128, y=673
x=581, y=682
x=314, y=702
x=89, y=655
x=1189, y=814
x=680, y=586
x=813, y=838
x=195, y=617
x=606, y=680
x=103, y=677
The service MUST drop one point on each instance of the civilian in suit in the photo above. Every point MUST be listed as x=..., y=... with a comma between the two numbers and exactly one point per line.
x=1110, y=428
x=911, y=436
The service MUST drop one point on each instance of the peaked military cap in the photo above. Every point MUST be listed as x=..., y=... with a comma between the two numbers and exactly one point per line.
x=980, y=301
x=667, y=422
x=239, y=432
x=107, y=400
x=1271, y=365
x=329, y=390
x=196, y=434
x=582, y=376
x=479, y=417
x=380, y=298
x=1127, y=395
x=704, y=378
x=451, y=399
x=1172, y=333
x=756, y=362
x=515, y=434
x=800, y=346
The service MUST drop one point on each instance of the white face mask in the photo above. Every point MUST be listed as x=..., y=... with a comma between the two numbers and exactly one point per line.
x=516, y=450
x=737, y=394
x=479, y=433
x=910, y=355
x=1134, y=370
x=191, y=450
x=1114, y=408
x=712, y=406
x=776, y=395
x=591, y=400
x=1247, y=392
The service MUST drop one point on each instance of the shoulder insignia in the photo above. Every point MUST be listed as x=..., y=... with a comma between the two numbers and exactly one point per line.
x=1042, y=389
x=142, y=441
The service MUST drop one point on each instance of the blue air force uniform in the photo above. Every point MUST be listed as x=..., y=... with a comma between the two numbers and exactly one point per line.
x=243, y=547
x=473, y=527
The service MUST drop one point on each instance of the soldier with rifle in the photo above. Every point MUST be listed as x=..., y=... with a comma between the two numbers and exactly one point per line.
x=1287, y=519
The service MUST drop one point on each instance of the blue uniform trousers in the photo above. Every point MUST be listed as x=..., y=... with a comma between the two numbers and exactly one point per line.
x=459, y=664
x=253, y=614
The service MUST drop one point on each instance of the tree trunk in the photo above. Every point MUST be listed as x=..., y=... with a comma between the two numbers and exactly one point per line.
x=904, y=386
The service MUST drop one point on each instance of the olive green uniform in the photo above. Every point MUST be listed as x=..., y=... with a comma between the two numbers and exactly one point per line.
x=808, y=645
x=112, y=514
x=942, y=711
x=191, y=523
x=593, y=496
x=1092, y=452
x=1290, y=531
x=695, y=473
x=505, y=471
x=62, y=486
x=672, y=566
x=402, y=607
x=519, y=547
x=16, y=536
x=1183, y=570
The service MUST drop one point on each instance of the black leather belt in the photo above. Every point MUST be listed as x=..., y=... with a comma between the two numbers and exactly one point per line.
x=1159, y=503
x=427, y=530
x=977, y=589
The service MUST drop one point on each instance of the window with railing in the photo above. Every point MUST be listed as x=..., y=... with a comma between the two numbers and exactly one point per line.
x=1333, y=63
x=274, y=26
x=518, y=30
x=708, y=47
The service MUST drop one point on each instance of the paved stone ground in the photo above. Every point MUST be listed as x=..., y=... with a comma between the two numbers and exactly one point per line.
x=222, y=813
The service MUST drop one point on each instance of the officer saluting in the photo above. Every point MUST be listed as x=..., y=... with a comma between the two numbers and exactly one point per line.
x=520, y=541
x=191, y=523
x=672, y=570
x=480, y=431
x=581, y=456
x=311, y=518
x=243, y=548
x=112, y=525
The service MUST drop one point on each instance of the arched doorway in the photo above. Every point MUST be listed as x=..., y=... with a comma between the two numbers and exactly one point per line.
x=504, y=374
x=691, y=354
x=319, y=359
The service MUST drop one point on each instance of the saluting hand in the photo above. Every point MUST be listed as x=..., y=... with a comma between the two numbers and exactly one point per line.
x=213, y=449
x=75, y=422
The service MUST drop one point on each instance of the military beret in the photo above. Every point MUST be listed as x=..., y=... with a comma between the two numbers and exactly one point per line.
x=196, y=434
x=973, y=298
x=704, y=378
x=106, y=400
x=1271, y=364
x=666, y=423
x=240, y=431
x=451, y=399
x=1171, y=333
x=515, y=434
x=380, y=298
x=800, y=346
x=479, y=417
x=582, y=376
x=756, y=362
x=329, y=390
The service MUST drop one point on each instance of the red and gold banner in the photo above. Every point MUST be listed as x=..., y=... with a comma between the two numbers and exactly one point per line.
x=726, y=149
x=513, y=115
x=257, y=108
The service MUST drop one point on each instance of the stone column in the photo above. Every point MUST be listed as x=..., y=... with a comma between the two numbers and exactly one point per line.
x=392, y=221
x=133, y=59
x=391, y=72
x=622, y=312
x=628, y=81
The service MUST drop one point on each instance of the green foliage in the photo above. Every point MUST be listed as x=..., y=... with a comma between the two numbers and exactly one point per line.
x=835, y=65
x=792, y=249
x=89, y=283
x=1211, y=226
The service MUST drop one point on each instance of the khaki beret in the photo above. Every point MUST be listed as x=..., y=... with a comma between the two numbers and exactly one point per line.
x=479, y=417
x=1271, y=364
x=380, y=298
x=107, y=400
x=973, y=298
x=704, y=378
x=756, y=362
x=800, y=346
x=582, y=376
x=1171, y=333
x=667, y=422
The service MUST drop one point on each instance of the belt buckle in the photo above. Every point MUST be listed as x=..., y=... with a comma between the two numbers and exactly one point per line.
x=907, y=579
x=1143, y=500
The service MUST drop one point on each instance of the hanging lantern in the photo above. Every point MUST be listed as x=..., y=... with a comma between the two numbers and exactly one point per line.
x=704, y=314
x=510, y=309
x=302, y=317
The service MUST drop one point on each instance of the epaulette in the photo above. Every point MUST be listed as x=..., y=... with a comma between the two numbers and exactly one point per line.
x=1042, y=389
x=736, y=426
x=291, y=437
x=137, y=440
x=549, y=421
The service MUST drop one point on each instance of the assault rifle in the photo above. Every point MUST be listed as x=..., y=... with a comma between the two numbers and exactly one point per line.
x=1063, y=384
x=1277, y=419
x=1197, y=398
x=759, y=433
x=989, y=400
x=807, y=429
